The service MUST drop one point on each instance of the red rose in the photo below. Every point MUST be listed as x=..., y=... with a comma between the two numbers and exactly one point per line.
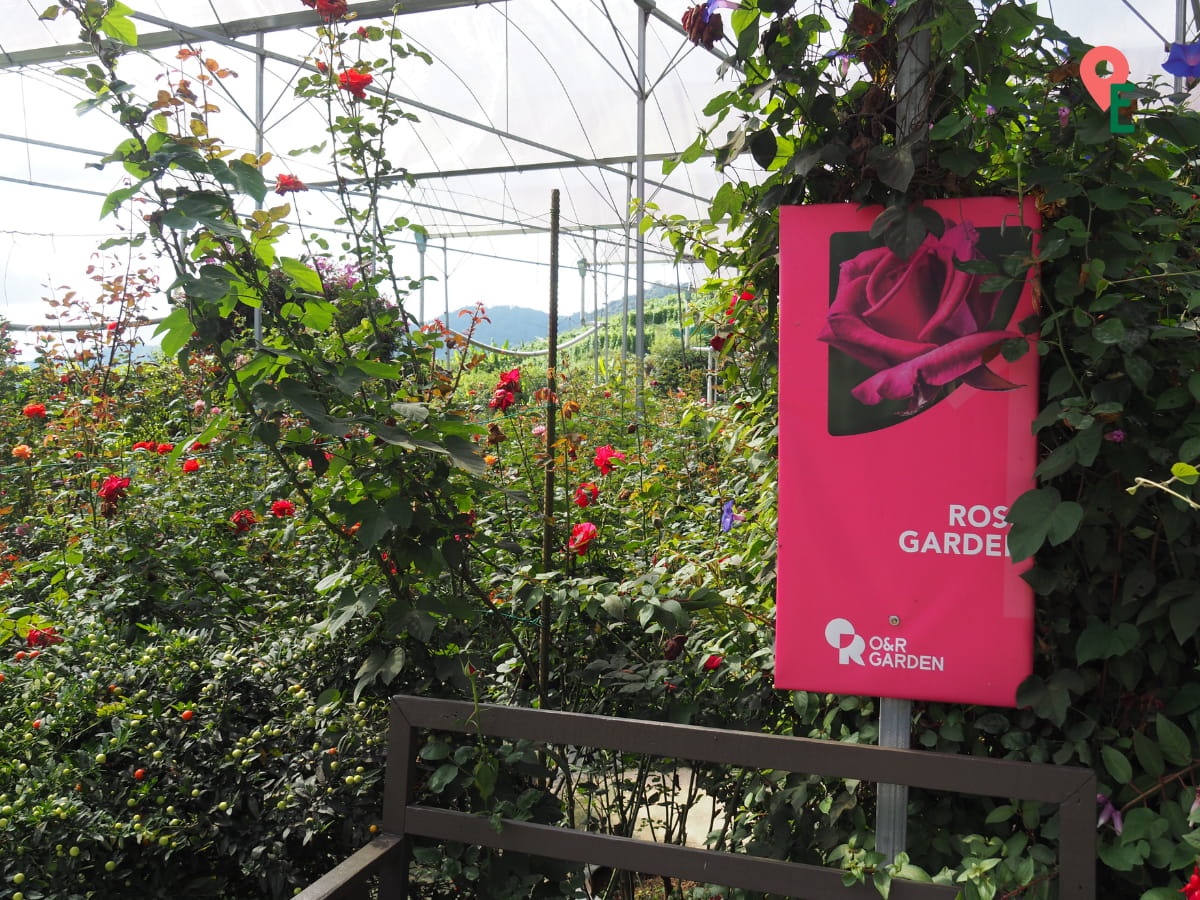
x=113, y=488
x=604, y=457
x=289, y=184
x=919, y=324
x=355, y=82
x=581, y=536
x=144, y=445
x=243, y=520
x=164, y=449
x=713, y=662
x=281, y=508
x=510, y=381
x=502, y=399
x=43, y=637
x=586, y=494
x=717, y=342
x=191, y=465
x=35, y=411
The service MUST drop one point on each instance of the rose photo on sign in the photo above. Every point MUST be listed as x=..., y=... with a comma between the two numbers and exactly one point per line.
x=904, y=334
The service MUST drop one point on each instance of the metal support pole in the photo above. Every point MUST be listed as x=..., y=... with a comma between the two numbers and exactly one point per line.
x=640, y=287
x=548, y=542
x=1180, y=38
x=679, y=305
x=891, y=814
x=422, y=241
x=583, y=267
x=446, y=291
x=595, y=307
x=625, y=288
x=912, y=79
x=912, y=114
x=607, y=316
x=260, y=63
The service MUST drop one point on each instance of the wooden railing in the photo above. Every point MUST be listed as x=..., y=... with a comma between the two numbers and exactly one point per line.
x=386, y=858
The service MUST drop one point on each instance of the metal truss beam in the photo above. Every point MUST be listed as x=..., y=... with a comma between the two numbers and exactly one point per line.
x=173, y=36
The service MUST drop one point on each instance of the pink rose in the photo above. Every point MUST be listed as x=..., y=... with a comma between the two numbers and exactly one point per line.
x=919, y=324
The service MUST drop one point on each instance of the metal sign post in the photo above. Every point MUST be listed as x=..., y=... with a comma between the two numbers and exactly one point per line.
x=891, y=811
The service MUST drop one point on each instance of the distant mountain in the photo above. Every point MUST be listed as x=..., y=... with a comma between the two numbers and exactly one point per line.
x=519, y=324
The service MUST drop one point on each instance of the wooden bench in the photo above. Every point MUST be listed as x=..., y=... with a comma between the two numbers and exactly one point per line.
x=386, y=857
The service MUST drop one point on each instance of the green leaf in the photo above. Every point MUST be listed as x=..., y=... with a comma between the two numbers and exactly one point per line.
x=1064, y=522
x=49, y=14
x=1185, y=618
x=894, y=166
x=249, y=180
x=948, y=126
x=116, y=25
x=1173, y=740
x=445, y=774
x=1001, y=813
x=1060, y=460
x=1109, y=331
x=1148, y=754
x=302, y=276
x=1100, y=640
x=1109, y=197
x=486, y=772
x=176, y=330
x=762, y=147
x=744, y=23
x=883, y=882
x=1030, y=519
x=1116, y=764
x=318, y=314
x=1185, y=472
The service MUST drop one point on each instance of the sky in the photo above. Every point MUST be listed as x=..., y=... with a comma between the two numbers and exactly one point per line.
x=561, y=78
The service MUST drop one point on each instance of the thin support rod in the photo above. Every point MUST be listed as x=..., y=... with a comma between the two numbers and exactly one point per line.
x=595, y=308
x=260, y=69
x=548, y=494
x=891, y=817
x=446, y=293
x=625, y=289
x=640, y=248
x=1180, y=36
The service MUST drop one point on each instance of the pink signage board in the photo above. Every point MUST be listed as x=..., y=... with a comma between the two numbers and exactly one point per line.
x=904, y=438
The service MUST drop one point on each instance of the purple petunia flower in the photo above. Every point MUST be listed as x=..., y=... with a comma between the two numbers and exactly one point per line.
x=1109, y=813
x=728, y=517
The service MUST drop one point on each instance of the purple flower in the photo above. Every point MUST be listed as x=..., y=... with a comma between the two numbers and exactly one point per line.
x=1064, y=116
x=1109, y=813
x=728, y=517
x=1184, y=60
x=991, y=110
x=712, y=5
x=1116, y=436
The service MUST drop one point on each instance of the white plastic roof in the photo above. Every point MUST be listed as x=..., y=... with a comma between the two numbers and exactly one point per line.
x=522, y=97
